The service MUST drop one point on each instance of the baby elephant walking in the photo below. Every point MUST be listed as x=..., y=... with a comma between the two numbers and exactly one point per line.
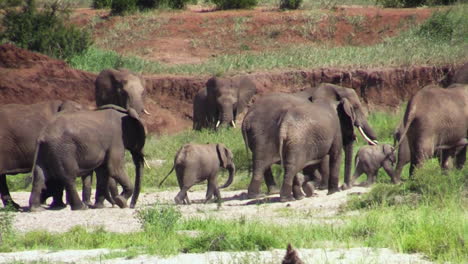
x=195, y=163
x=370, y=159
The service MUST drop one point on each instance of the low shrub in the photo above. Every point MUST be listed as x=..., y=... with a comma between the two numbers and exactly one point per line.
x=43, y=30
x=98, y=4
x=122, y=7
x=160, y=219
x=235, y=4
x=413, y=3
x=440, y=26
x=290, y=4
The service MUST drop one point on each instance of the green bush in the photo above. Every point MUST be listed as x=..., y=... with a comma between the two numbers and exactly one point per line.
x=440, y=26
x=43, y=30
x=122, y=7
x=234, y=4
x=290, y=4
x=413, y=3
x=152, y=4
x=98, y=4
x=160, y=219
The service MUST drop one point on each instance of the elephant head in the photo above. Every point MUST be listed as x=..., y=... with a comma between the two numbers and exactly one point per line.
x=351, y=105
x=228, y=98
x=134, y=136
x=120, y=87
x=226, y=160
x=389, y=152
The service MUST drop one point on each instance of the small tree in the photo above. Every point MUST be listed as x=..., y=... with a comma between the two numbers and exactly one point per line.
x=235, y=4
x=290, y=4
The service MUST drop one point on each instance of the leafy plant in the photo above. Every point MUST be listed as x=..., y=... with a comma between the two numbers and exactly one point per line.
x=235, y=4
x=122, y=7
x=290, y=4
x=44, y=30
x=98, y=4
x=440, y=26
x=413, y=3
x=159, y=218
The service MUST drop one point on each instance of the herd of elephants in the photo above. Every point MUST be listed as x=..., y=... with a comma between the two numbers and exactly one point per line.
x=305, y=132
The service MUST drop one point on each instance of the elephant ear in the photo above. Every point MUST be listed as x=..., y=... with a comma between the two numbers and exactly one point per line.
x=221, y=150
x=347, y=119
x=247, y=90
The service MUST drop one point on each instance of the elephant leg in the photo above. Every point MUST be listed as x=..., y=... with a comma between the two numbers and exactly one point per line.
x=259, y=169
x=182, y=195
x=72, y=195
x=56, y=191
x=371, y=176
x=212, y=189
x=102, y=179
x=348, y=149
x=334, y=165
x=118, y=173
x=443, y=157
x=357, y=173
x=87, y=182
x=113, y=191
x=460, y=158
x=387, y=165
x=297, y=187
x=38, y=185
x=5, y=193
x=270, y=181
x=286, y=189
x=324, y=171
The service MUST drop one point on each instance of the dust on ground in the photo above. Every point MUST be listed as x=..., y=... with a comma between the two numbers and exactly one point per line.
x=322, y=208
x=315, y=210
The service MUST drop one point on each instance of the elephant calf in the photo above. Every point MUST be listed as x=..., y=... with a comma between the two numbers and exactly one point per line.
x=195, y=163
x=370, y=159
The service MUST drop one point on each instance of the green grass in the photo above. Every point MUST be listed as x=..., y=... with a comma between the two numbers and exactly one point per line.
x=408, y=49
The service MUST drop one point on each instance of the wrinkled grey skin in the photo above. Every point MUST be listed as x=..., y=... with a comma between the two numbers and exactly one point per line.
x=291, y=256
x=195, y=163
x=261, y=132
x=19, y=130
x=122, y=88
x=436, y=118
x=461, y=75
x=221, y=101
x=369, y=159
x=443, y=153
x=75, y=144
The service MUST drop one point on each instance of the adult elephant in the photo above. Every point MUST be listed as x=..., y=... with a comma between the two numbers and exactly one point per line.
x=122, y=88
x=19, y=129
x=261, y=132
x=436, y=118
x=221, y=101
x=76, y=144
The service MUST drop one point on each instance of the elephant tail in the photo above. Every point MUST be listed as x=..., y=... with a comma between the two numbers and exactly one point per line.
x=173, y=166
x=407, y=120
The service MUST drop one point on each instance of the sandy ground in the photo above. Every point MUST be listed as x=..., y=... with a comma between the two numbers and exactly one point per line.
x=319, y=209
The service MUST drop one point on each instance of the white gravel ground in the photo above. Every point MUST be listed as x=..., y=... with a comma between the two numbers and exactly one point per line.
x=319, y=209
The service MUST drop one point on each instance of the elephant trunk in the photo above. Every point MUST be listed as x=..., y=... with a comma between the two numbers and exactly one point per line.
x=137, y=104
x=138, y=160
x=226, y=117
x=232, y=171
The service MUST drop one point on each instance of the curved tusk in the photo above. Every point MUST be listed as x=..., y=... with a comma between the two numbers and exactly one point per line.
x=217, y=123
x=233, y=124
x=146, y=112
x=372, y=142
x=146, y=163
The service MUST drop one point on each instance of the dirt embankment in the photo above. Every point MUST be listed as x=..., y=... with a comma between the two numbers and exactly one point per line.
x=28, y=77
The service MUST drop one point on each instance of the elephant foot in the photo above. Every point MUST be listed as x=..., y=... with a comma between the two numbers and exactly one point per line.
x=299, y=197
x=321, y=186
x=97, y=206
x=285, y=199
x=255, y=195
x=344, y=187
x=35, y=209
x=57, y=205
x=364, y=184
x=332, y=191
x=273, y=189
x=120, y=201
x=80, y=206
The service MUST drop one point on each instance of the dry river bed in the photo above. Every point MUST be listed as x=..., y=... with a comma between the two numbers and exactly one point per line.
x=319, y=209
